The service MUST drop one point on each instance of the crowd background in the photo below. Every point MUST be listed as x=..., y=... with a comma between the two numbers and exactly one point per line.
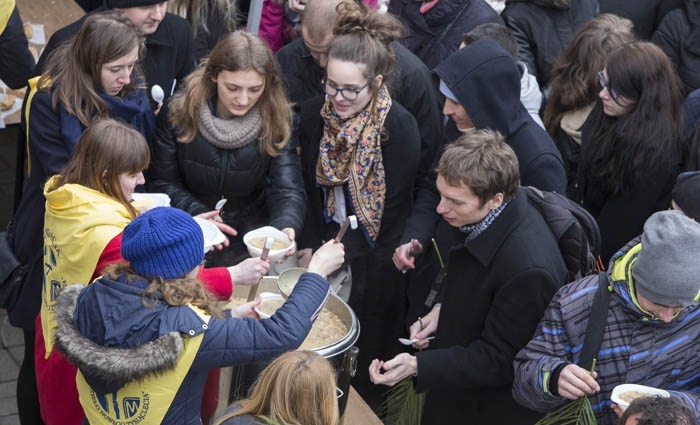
x=345, y=107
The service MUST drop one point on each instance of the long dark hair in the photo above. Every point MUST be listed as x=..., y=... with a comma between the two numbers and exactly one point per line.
x=574, y=77
x=617, y=151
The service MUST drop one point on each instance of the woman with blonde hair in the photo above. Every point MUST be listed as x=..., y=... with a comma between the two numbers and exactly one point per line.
x=575, y=84
x=296, y=388
x=225, y=135
x=360, y=152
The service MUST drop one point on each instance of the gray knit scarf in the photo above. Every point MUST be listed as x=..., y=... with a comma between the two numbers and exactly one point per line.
x=474, y=230
x=232, y=133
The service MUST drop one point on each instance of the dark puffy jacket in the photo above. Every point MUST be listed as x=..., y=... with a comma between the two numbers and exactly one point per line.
x=434, y=35
x=197, y=174
x=109, y=315
x=16, y=59
x=543, y=30
x=679, y=37
x=646, y=15
x=168, y=51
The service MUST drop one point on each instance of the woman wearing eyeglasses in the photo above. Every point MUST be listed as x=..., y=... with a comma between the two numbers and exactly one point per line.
x=359, y=157
x=575, y=86
x=225, y=135
x=631, y=143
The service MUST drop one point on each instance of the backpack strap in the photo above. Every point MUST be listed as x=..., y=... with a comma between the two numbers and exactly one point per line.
x=596, y=323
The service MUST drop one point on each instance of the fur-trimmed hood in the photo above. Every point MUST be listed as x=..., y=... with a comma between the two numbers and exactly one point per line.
x=106, y=369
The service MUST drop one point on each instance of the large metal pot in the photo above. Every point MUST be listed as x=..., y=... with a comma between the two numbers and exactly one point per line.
x=341, y=353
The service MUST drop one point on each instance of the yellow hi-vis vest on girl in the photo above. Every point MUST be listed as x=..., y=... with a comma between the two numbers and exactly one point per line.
x=145, y=402
x=78, y=224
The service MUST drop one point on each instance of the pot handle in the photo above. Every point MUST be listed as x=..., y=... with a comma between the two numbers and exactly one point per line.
x=351, y=361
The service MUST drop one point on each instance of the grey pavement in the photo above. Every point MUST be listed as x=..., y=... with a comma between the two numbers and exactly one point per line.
x=12, y=349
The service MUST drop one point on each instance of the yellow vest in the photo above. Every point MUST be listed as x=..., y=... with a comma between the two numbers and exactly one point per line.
x=145, y=402
x=78, y=224
x=6, y=8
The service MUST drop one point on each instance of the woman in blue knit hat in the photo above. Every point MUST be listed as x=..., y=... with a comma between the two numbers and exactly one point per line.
x=87, y=206
x=145, y=334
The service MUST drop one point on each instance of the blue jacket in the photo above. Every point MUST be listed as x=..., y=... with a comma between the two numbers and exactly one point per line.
x=636, y=348
x=111, y=315
x=52, y=134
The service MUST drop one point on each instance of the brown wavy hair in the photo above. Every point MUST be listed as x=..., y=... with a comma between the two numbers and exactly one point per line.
x=106, y=149
x=363, y=36
x=297, y=388
x=236, y=51
x=574, y=79
x=179, y=291
x=74, y=68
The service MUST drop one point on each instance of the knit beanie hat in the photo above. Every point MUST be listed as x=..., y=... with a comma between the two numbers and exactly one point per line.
x=163, y=242
x=686, y=193
x=125, y=4
x=667, y=271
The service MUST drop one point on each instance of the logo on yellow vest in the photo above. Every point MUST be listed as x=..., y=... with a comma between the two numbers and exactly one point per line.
x=119, y=410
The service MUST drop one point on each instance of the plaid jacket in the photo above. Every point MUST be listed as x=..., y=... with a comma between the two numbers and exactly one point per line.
x=636, y=347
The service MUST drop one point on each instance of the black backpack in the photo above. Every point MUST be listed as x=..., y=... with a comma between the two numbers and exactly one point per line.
x=574, y=228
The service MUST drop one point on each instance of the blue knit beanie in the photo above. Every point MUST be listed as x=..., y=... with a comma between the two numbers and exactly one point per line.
x=163, y=242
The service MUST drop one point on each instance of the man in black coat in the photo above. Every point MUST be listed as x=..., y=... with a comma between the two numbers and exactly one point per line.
x=502, y=268
x=168, y=57
x=302, y=64
x=481, y=84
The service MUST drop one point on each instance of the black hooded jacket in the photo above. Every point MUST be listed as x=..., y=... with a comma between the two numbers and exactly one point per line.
x=486, y=81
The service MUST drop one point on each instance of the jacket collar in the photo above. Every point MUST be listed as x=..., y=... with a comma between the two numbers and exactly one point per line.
x=485, y=246
x=106, y=369
x=163, y=35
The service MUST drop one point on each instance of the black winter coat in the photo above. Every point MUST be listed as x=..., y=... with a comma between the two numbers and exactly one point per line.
x=646, y=15
x=377, y=290
x=16, y=59
x=621, y=216
x=411, y=86
x=433, y=36
x=675, y=39
x=496, y=289
x=168, y=52
x=257, y=186
x=543, y=30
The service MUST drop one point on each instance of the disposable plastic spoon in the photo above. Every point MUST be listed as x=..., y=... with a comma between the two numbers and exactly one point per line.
x=406, y=341
x=157, y=94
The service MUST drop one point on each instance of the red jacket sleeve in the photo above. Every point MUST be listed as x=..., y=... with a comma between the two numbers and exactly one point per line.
x=216, y=280
x=110, y=254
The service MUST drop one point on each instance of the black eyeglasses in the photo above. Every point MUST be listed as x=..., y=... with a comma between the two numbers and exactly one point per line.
x=347, y=93
x=604, y=84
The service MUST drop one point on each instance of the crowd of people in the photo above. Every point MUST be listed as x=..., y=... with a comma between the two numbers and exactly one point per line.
x=425, y=120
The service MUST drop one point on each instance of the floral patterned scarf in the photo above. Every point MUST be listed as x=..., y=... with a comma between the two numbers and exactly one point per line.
x=350, y=152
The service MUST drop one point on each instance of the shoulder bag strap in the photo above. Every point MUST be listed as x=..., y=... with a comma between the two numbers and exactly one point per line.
x=596, y=323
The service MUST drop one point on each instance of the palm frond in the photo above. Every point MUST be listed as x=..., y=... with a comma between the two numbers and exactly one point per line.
x=402, y=405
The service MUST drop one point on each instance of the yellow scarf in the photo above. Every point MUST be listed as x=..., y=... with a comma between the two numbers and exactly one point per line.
x=78, y=224
x=144, y=402
x=350, y=153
